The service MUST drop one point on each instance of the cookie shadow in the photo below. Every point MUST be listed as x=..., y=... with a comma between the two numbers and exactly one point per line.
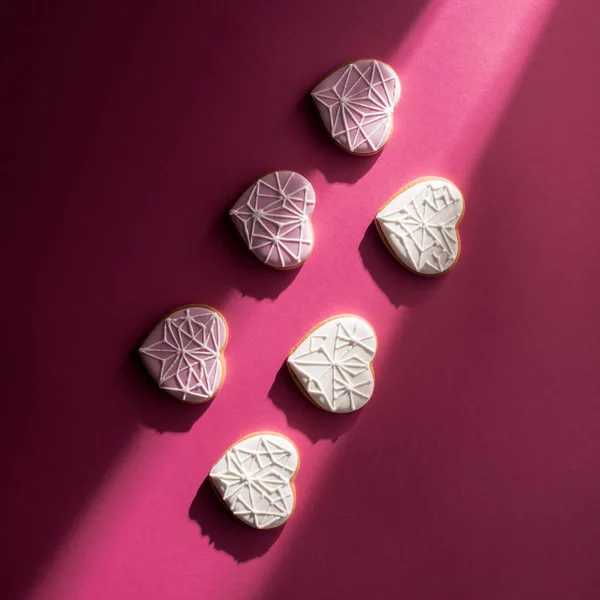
x=237, y=267
x=154, y=407
x=302, y=415
x=335, y=164
x=402, y=287
x=225, y=532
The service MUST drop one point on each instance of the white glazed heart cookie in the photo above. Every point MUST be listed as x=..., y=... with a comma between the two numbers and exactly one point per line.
x=419, y=225
x=273, y=218
x=255, y=479
x=333, y=364
x=184, y=353
x=356, y=104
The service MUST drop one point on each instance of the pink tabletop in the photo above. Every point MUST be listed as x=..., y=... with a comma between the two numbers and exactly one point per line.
x=131, y=129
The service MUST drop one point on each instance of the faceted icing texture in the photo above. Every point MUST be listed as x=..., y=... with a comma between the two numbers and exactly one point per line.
x=356, y=104
x=333, y=364
x=273, y=218
x=254, y=479
x=420, y=225
x=184, y=353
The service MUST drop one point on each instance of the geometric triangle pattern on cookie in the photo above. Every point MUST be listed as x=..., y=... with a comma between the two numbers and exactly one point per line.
x=184, y=353
x=273, y=218
x=419, y=225
x=254, y=479
x=356, y=104
x=333, y=364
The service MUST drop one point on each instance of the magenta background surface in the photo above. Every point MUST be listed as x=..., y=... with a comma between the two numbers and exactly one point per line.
x=130, y=130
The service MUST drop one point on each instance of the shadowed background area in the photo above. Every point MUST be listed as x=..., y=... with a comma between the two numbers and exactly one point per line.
x=130, y=129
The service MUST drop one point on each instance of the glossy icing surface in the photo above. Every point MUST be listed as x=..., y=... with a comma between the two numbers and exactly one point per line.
x=183, y=354
x=254, y=479
x=273, y=218
x=420, y=225
x=356, y=104
x=332, y=364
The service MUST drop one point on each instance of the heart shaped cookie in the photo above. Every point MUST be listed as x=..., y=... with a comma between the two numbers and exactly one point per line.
x=255, y=479
x=356, y=104
x=273, y=218
x=419, y=225
x=184, y=353
x=333, y=364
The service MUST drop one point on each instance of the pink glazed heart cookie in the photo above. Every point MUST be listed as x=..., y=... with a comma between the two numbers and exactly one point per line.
x=184, y=353
x=356, y=104
x=273, y=218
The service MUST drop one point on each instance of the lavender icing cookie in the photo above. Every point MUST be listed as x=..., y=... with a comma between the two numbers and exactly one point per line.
x=356, y=104
x=273, y=218
x=184, y=353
